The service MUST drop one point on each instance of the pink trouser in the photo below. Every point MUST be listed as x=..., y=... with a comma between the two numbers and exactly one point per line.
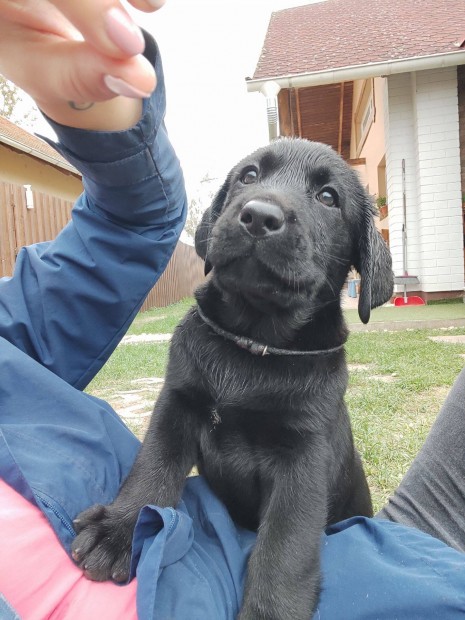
x=40, y=581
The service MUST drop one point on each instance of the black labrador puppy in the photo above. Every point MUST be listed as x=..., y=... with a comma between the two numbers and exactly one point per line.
x=254, y=392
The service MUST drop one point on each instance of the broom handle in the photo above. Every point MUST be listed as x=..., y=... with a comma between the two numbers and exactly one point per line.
x=404, y=224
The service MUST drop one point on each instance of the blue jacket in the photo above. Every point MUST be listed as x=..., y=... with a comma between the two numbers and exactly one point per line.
x=62, y=314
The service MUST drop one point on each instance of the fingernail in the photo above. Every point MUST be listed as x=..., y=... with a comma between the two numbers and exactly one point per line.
x=120, y=87
x=156, y=4
x=124, y=32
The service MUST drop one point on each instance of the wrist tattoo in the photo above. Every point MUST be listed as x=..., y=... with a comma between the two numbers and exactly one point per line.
x=80, y=106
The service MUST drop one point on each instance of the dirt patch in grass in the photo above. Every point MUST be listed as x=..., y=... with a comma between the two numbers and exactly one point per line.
x=365, y=368
x=142, y=320
x=359, y=367
x=138, y=338
x=384, y=378
x=458, y=339
x=135, y=406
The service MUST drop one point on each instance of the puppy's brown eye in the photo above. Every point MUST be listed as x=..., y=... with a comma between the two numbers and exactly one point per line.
x=249, y=176
x=328, y=197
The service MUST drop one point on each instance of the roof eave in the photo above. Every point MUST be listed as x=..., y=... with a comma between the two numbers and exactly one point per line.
x=29, y=150
x=360, y=72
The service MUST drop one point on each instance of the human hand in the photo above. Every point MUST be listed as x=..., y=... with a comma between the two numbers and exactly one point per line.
x=69, y=55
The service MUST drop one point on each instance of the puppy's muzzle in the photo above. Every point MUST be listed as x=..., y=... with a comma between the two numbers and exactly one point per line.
x=261, y=219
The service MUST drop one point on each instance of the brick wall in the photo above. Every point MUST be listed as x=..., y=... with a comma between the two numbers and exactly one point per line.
x=439, y=189
x=423, y=129
x=400, y=144
x=461, y=97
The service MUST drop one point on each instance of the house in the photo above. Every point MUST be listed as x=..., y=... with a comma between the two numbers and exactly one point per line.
x=384, y=84
x=38, y=188
x=26, y=159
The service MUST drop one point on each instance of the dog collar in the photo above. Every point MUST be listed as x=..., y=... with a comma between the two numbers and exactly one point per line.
x=257, y=348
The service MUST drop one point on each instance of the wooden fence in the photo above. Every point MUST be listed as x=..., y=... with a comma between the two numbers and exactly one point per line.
x=20, y=225
x=184, y=273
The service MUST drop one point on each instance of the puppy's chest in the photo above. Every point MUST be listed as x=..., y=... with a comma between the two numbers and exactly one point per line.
x=243, y=380
x=231, y=385
x=246, y=390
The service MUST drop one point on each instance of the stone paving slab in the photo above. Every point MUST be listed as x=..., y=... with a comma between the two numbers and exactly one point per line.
x=458, y=339
x=391, y=326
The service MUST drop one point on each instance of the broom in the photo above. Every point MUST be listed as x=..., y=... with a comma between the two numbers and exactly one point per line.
x=406, y=278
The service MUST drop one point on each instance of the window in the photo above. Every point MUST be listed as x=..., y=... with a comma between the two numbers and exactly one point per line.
x=365, y=114
x=367, y=118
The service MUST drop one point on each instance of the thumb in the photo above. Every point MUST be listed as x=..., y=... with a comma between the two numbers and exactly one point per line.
x=76, y=72
x=107, y=25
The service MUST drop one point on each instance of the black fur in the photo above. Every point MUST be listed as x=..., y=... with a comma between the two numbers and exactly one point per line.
x=270, y=433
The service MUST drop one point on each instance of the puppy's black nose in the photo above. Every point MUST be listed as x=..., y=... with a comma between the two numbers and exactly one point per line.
x=261, y=218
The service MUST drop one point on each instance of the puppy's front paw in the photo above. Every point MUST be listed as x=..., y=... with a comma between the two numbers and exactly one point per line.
x=102, y=547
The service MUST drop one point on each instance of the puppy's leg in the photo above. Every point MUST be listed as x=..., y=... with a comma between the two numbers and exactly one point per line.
x=103, y=544
x=360, y=498
x=283, y=577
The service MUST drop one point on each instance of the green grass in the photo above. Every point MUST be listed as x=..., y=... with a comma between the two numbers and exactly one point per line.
x=455, y=300
x=395, y=396
x=131, y=362
x=398, y=381
x=430, y=312
x=160, y=320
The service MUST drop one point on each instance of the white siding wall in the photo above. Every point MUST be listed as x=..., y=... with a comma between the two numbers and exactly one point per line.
x=422, y=127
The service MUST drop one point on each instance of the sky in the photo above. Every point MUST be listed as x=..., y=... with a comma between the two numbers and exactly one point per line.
x=208, y=48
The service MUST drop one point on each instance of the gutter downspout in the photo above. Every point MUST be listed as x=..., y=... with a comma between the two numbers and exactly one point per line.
x=270, y=90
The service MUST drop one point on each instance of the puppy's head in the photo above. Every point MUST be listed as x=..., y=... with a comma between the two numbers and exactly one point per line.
x=286, y=226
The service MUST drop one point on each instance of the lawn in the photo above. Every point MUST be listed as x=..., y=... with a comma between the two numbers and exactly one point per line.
x=398, y=380
x=131, y=362
x=436, y=311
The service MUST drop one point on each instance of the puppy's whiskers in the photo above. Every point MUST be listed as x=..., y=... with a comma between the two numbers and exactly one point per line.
x=335, y=258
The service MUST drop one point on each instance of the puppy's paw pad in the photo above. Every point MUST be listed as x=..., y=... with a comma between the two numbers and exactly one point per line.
x=102, y=547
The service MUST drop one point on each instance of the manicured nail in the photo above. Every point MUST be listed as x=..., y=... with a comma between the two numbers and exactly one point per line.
x=156, y=4
x=120, y=87
x=124, y=32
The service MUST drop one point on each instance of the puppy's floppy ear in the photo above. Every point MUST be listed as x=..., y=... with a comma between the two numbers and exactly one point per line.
x=203, y=232
x=373, y=261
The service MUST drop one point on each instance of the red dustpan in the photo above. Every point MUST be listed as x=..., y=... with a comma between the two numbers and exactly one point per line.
x=412, y=300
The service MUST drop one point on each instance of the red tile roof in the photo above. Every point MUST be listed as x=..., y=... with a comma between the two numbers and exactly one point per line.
x=344, y=33
x=24, y=141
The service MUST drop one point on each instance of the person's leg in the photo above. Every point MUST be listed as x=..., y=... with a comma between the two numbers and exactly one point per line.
x=60, y=448
x=431, y=496
x=39, y=580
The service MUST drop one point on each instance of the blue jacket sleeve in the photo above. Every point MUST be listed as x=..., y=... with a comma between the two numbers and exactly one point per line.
x=71, y=300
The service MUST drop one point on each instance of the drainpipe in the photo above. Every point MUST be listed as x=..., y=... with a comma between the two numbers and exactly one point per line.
x=270, y=90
